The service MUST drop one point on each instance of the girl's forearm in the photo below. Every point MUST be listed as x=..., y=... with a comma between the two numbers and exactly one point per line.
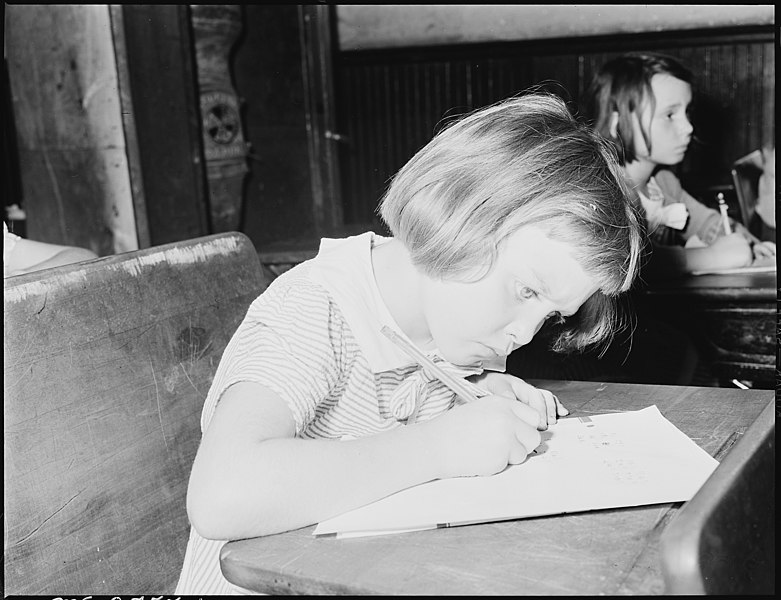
x=668, y=261
x=702, y=259
x=281, y=484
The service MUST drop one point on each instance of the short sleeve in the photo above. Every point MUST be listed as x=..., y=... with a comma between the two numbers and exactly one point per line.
x=292, y=342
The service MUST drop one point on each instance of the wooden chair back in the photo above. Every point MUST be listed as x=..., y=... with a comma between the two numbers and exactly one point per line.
x=723, y=540
x=746, y=172
x=106, y=367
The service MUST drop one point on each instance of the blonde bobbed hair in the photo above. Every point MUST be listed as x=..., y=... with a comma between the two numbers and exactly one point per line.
x=522, y=161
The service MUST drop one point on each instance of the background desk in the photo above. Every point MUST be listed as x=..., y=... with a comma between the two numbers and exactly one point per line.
x=733, y=318
x=601, y=552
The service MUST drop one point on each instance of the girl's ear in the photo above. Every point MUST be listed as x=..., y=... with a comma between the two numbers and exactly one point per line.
x=613, y=125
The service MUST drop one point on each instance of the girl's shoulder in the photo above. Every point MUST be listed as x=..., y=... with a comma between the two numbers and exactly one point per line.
x=293, y=290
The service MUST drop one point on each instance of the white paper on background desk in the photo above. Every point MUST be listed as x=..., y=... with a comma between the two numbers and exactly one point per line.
x=739, y=270
x=759, y=265
x=584, y=463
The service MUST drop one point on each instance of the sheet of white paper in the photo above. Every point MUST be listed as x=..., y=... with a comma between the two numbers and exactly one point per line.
x=739, y=270
x=584, y=463
x=759, y=265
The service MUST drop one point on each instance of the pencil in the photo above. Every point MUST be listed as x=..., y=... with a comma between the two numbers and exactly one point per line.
x=459, y=386
x=724, y=217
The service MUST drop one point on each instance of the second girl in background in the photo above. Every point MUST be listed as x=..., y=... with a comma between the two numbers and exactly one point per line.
x=640, y=103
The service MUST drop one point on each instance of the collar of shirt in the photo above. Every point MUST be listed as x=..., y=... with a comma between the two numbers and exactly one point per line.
x=344, y=268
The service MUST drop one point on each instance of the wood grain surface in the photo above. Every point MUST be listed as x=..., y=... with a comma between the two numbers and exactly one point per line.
x=106, y=367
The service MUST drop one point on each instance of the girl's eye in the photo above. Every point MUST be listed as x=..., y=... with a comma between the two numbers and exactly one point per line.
x=526, y=293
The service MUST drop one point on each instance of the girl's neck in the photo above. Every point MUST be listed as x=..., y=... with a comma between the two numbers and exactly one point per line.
x=398, y=281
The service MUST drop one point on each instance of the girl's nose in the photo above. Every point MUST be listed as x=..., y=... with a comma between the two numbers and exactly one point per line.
x=687, y=127
x=522, y=330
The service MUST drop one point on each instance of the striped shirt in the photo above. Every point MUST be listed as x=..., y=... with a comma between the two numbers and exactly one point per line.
x=313, y=337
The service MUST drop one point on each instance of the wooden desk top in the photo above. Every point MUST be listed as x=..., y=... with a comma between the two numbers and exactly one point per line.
x=754, y=287
x=600, y=552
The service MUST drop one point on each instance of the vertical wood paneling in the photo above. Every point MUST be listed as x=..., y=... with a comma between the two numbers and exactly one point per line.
x=768, y=98
x=268, y=66
x=391, y=113
x=163, y=86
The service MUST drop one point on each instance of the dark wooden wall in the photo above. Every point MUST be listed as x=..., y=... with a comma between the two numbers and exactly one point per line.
x=267, y=70
x=161, y=76
x=391, y=101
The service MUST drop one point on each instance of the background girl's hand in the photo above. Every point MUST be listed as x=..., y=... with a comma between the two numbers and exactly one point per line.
x=759, y=248
x=730, y=251
x=544, y=402
x=482, y=437
x=763, y=250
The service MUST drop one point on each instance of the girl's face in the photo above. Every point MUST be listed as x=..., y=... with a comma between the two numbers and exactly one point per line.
x=668, y=126
x=534, y=279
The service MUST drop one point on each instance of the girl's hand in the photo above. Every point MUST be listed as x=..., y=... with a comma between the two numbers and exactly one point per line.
x=482, y=437
x=763, y=250
x=544, y=402
x=730, y=251
x=759, y=248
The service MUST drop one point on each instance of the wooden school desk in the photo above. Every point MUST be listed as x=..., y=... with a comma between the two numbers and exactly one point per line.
x=733, y=318
x=600, y=552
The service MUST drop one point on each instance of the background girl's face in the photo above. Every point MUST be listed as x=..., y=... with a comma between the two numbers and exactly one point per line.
x=667, y=124
x=534, y=279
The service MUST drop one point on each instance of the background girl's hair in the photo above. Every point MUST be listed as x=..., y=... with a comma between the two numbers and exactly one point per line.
x=522, y=161
x=621, y=86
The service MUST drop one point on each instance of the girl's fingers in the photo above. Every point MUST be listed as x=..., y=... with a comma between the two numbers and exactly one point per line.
x=529, y=414
x=550, y=407
x=544, y=403
x=517, y=455
x=539, y=400
x=562, y=410
x=528, y=439
x=764, y=249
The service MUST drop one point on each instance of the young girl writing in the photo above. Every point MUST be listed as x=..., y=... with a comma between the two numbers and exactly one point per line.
x=510, y=217
x=640, y=103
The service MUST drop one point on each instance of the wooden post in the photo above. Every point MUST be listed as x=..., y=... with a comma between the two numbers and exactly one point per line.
x=73, y=165
x=216, y=28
